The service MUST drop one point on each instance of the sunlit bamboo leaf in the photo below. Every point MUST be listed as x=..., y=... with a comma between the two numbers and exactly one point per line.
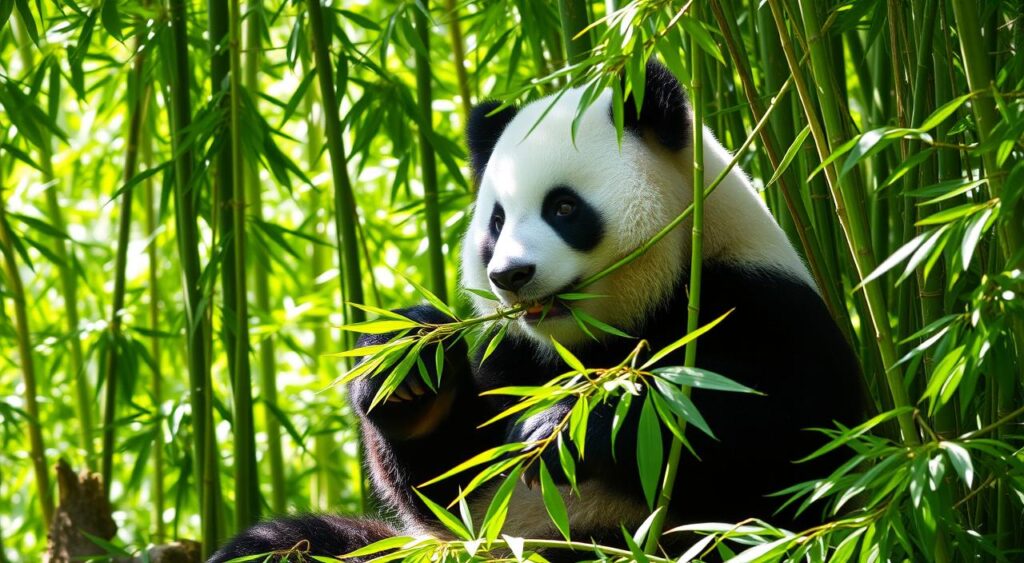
x=553, y=502
x=791, y=153
x=649, y=451
x=446, y=518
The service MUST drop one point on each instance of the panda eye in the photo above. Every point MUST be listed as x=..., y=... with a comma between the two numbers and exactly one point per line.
x=565, y=208
x=497, y=222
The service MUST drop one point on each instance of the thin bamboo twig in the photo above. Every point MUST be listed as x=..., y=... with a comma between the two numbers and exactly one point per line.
x=16, y=291
x=115, y=344
x=431, y=210
x=694, y=288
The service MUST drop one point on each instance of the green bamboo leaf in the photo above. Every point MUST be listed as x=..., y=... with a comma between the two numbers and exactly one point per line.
x=493, y=344
x=387, y=544
x=568, y=357
x=683, y=341
x=566, y=459
x=553, y=501
x=649, y=451
x=497, y=510
x=952, y=214
x=600, y=325
x=112, y=19
x=701, y=379
x=638, y=554
x=870, y=143
x=28, y=20
x=791, y=152
x=446, y=518
x=944, y=111
x=961, y=461
x=907, y=165
x=430, y=297
x=972, y=236
x=682, y=405
x=696, y=30
x=579, y=296
x=901, y=254
x=580, y=323
x=380, y=326
x=621, y=410
x=481, y=458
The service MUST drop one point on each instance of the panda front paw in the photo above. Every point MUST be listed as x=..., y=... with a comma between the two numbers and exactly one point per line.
x=538, y=431
x=413, y=409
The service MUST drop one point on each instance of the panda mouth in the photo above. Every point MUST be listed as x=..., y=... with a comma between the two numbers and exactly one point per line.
x=543, y=309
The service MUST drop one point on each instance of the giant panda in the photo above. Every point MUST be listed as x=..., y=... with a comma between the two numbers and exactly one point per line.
x=551, y=210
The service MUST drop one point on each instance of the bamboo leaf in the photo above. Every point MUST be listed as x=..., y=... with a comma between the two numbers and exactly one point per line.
x=791, y=152
x=649, y=451
x=553, y=501
x=961, y=461
x=446, y=518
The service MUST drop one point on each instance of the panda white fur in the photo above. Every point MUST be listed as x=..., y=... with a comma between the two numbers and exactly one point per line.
x=550, y=212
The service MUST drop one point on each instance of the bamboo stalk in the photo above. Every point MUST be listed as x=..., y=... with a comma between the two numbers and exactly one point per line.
x=16, y=290
x=345, y=211
x=64, y=251
x=114, y=347
x=976, y=59
x=826, y=281
x=261, y=280
x=432, y=212
x=459, y=53
x=694, y=288
x=247, y=487
x=573, y=14
x=152, y=224
x=197, y=321
x=848, y=207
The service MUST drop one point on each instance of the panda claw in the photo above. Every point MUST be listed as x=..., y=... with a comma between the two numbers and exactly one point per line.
x=417, y=387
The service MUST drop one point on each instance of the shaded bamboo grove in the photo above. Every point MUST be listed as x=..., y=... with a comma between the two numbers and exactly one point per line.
x=197, y=195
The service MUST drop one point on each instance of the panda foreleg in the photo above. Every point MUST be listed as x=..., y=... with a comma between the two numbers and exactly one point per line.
x=297, y=538
x=413, y=438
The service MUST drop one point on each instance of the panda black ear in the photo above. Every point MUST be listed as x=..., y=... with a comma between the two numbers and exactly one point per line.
x=665, y=112
x=483, y=132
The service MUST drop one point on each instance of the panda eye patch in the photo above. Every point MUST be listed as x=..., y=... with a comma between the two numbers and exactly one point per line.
x=573, y=218
x=565, y=207
x=497, y=220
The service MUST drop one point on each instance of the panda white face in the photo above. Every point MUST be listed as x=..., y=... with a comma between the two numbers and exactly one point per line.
x=550, y=213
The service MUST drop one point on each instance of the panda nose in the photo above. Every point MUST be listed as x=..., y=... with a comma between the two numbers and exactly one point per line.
x=514, y=277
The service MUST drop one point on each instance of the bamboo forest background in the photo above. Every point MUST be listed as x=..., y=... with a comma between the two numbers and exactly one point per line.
x=194, y=194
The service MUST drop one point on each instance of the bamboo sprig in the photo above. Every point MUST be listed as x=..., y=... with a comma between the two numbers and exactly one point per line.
x=848, y=209
x=197, y=322
x=16, y=290
x=428, y=163
x=137, y=117
x=694, y=288
x=345, y=211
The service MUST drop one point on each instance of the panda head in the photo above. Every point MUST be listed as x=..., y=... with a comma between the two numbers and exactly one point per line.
x=550, y=212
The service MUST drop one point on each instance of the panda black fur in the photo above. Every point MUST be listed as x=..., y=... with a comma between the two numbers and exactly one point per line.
x=549, y=213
